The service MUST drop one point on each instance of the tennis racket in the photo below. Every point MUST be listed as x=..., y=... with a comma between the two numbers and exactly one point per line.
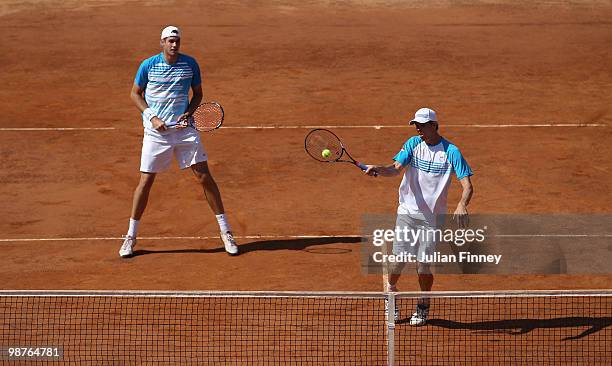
x=319, y=140
x=207, y=117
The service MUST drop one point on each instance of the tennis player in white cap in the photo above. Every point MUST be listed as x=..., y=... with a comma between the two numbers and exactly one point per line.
x=427, y=161
x=161, y=93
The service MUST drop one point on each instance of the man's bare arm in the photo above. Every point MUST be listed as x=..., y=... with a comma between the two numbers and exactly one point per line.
x=137, y=96
x=461, y=213
x=468, y=191
x=196, y=99
x=390, y=170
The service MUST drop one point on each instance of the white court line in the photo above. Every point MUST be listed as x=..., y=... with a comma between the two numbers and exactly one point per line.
x=378, y=127
x=277, y=127
x=57, y=128
x=184, y=238
x=553, y=235
x=9, y=240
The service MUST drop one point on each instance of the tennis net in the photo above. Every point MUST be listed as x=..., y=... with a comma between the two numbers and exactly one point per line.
x=308, y=328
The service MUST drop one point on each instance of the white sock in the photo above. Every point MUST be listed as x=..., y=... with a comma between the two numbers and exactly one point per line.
x=133, y=229
x=223, y=224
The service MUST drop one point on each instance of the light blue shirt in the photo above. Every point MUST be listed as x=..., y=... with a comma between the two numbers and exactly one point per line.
x=424, y=187
x=167, y=86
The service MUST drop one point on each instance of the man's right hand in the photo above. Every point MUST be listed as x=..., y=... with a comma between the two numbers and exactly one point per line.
x=158, y=124
x=372, y=170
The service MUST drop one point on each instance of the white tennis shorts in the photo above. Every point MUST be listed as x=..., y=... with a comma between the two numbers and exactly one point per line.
x=420, y=239
x=158, y=149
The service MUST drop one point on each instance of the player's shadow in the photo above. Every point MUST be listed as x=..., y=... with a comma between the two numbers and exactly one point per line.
x=523, y=326
x=312, y=245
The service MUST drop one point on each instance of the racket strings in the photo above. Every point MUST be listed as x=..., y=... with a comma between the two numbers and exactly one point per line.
x=320, y=140
x=207, y=116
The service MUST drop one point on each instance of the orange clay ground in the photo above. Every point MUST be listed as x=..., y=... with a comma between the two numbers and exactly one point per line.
x=290, y=63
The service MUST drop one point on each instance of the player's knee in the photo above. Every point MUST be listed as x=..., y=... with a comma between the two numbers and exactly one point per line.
x=146, y=182
x=424, y=269
x=205, y=179
x=397, y=267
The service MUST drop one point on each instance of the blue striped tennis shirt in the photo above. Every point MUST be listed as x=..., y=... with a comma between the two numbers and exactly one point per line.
x=167, y=86
x=424, y=187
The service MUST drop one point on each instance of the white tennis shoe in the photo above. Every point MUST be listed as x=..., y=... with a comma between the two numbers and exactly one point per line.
x=230, y=244
x=127, y=249
x=419, y=318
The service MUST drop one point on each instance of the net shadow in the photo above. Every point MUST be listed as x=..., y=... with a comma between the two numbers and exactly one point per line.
x=523, y=326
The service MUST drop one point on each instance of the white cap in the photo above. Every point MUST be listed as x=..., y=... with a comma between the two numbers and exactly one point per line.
x=170, y=31
x=424, y=115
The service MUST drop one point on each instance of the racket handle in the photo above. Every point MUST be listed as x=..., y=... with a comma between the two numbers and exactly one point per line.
x=364, y=168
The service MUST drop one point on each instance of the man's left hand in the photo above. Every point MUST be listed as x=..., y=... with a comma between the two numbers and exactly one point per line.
x=461, y=215
x=183, y=120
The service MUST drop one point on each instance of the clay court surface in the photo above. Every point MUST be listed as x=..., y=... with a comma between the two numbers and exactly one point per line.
x=290, y=63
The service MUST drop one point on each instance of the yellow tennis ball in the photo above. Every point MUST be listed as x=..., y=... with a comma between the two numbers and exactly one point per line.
x=326, y=153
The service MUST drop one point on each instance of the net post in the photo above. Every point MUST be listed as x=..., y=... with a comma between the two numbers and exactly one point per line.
x=390, y=328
